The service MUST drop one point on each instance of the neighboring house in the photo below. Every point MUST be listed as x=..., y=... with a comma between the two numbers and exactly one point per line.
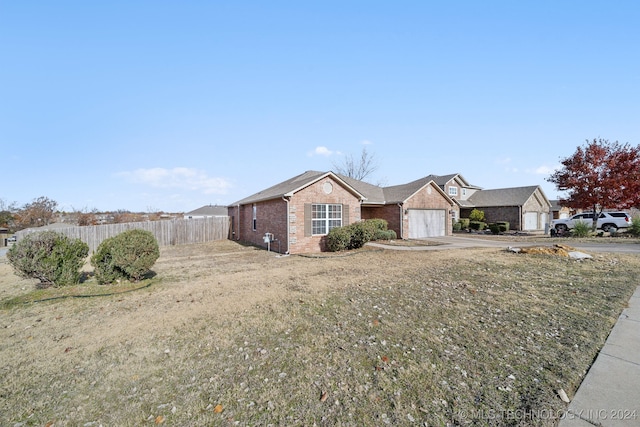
x=208, y=211
x=299, y=212
x=558, y=211
x=415, y=210
x=525, y=208
x=456, y=187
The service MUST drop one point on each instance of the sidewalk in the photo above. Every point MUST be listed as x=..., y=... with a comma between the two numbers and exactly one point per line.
x=610, y=393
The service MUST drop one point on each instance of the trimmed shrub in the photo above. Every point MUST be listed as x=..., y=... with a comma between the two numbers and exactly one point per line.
x=477, y=225
x=355, y=235
x=495, y=228
x=50, y=257
x=361, y=233
x=338, y=239
x=385, y=235
x=464, y=223
x=129, y=256
x=504, y=226
x=378, y=224
x=634, y=229
x=581, y=229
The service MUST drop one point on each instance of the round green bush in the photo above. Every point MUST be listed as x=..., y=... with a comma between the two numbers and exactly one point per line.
x=129, y=256
x=338, y=239
x=634, y=230
x=361, y=233
x=50, y=257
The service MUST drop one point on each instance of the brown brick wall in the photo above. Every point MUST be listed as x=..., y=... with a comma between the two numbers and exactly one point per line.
x=271, y=218
x=300, y=243
x=390, y=213
x=427, y=198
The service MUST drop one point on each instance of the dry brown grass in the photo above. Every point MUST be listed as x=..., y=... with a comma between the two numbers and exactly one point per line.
x=231, y=335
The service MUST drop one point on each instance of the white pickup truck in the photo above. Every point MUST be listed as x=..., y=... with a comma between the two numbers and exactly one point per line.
x=606, y=221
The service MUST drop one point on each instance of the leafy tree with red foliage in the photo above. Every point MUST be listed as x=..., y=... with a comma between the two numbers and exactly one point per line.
x=600, y=175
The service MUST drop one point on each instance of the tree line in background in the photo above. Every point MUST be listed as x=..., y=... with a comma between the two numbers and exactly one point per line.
x=44, y=211
x=599, y=175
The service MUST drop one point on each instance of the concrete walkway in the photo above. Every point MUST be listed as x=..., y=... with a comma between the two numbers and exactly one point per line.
x=609, y=396
x=459, y=242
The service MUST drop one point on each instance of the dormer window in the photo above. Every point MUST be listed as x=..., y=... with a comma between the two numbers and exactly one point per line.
x=453, y=191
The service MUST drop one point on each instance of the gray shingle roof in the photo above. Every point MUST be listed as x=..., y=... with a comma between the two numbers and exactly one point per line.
x=373, y=193
x=514, y=196
x=400, y=193
x=209, y=210
x=290, y=186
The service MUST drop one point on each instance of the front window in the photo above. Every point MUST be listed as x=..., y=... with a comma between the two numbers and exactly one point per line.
x=453, y=191
x=255, y=218
x=324, y=217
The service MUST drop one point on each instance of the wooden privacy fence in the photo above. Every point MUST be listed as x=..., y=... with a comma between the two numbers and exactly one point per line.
x=167, y=233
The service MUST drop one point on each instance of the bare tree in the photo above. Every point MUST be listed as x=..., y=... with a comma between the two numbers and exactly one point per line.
x=357, y=168
x=7, y=211
x=37, y=213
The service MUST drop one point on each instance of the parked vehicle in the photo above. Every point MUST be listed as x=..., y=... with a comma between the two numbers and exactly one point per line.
x=607, y=221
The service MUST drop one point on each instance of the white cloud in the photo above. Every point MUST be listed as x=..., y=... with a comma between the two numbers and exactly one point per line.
x=321, y=150
x=545, y=170
x=366, y=142
x=178, y=178
x=503, y=161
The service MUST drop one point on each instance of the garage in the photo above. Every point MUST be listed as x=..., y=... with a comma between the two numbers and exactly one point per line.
x=530, y=221
x=427, y=223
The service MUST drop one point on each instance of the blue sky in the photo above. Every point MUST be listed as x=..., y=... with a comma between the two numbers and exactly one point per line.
x=168, y=106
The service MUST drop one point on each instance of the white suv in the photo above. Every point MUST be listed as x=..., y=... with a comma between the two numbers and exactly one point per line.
x=606, y=221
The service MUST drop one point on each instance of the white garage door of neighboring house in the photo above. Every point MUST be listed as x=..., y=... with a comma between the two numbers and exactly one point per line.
x=531, y=221
x=426, y=223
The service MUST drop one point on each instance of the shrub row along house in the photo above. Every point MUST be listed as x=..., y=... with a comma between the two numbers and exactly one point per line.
x=299, y=212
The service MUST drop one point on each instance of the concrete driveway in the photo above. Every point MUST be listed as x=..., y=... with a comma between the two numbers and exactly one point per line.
x=459, y=242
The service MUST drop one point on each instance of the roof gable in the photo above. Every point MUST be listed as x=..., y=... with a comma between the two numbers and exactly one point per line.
x=401, y=193
x=289, y=187
x=514, y=196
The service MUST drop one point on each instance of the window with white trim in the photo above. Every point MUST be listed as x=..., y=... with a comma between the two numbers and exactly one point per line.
x=453, y=191
x=324, y=217
x=255, y=217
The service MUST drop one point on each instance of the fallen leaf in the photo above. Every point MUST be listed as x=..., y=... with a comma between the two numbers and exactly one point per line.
x=49, y=424
x=159, y=419
x=218, y=409
x=385, y=359
x=376, y=322
x=563, y=396
x=324, y=396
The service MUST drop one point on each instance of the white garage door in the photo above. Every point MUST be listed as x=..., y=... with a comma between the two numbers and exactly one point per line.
x=426, y=223
x=531, y=221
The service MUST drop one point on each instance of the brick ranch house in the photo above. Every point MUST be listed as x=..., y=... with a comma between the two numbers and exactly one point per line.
x=299, y=212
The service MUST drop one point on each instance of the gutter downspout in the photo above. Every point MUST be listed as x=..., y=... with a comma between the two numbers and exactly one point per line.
x=288, y=224
x=401, y=221
x=238, y=223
